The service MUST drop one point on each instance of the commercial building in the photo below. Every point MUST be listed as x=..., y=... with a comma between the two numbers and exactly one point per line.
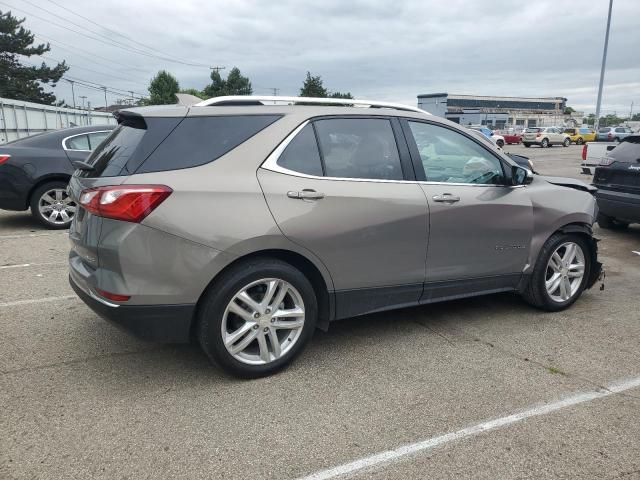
x=499, y=112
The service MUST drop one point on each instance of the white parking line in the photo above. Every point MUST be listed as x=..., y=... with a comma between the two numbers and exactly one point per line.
x=23, y=265
x=36, y=300
x=30, y=235
x=396, y=454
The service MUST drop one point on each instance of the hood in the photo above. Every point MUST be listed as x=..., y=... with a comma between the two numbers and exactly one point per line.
x=569, y=183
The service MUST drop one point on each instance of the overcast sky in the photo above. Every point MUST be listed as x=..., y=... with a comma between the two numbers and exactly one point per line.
x=386, y=50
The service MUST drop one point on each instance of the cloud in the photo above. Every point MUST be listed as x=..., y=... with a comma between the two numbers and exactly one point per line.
x=387, y=50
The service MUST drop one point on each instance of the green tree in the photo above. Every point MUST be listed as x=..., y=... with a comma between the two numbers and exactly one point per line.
x=18, y=81
x=193, y=91
x=163, y=89
x=569, y=110
x=234, y=84
x=636, y=117
x=313, y=87
x=340, y=95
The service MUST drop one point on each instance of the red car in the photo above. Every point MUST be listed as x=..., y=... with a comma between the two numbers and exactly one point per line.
x=510, y=138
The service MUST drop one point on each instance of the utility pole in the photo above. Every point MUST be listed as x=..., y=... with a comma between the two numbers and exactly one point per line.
x=132, y=99
x=106, y=105
x=83, y=97
x=604, y=62
x=217, y=69
x=73, y=92
x=631, y=112
x=275, y=91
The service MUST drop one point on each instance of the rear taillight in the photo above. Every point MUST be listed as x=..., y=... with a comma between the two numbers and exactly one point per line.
x=584, y=152
x=129, y=203
x=4, y=158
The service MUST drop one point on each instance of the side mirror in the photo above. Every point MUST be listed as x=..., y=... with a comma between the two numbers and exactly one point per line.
x=521, y=175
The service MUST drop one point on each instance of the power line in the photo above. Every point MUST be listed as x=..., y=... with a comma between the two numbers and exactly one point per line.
x=88, y=69
x=108, y=29
x=111, y=43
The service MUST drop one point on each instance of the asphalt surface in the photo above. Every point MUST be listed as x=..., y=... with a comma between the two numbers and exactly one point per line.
x=81, y=399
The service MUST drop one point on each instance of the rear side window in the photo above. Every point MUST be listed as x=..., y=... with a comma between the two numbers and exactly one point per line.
x=96, y=138
x=79, y=142
x=359, y=148
x=302, y=154
x=199, y=140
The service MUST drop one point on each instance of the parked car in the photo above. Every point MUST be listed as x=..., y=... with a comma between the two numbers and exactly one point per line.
x=613, y=134
x=248, y=225
x=618, y=181
x=581, y=135
x=35, y=170
x=519, y=159
x=487, y=132
x=545, y=137
x=511, y=138
x=593, y=153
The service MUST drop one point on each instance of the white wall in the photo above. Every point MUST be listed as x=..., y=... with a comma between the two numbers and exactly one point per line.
x=20, y=119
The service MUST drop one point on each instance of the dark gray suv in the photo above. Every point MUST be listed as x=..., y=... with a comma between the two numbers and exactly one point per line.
x=246, y=225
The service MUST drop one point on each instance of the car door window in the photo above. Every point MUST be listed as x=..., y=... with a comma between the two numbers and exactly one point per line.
x=302, y=154
x=450, y=157
x=359, y=148
x=96, y=138
x=79, y=142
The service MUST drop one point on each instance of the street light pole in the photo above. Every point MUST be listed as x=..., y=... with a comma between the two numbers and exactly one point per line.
x=604, y=62
x=73, y=92
x=106, y=105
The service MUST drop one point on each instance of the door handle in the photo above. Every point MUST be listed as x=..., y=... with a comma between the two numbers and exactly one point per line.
x=306, y=195
x=446, y=198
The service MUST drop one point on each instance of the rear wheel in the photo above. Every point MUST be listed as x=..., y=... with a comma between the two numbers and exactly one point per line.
x=544, y=143
x=561, y=273
x=500, y=143
x=610, y=223
x=566, y=142
x=257, y=317
x=51, y=205
x=526, y=145
x=579, y=141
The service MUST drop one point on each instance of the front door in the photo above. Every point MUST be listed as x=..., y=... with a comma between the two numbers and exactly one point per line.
x=340, y=190
x=480, y=228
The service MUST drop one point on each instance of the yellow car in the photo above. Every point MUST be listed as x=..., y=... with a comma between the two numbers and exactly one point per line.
x=581, y=135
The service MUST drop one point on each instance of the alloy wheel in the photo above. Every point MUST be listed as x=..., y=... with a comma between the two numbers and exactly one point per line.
x=263, y=321
x=565, y=271
x=56, y=207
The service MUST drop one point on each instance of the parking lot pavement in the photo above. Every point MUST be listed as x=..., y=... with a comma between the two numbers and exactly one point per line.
x=84, y=400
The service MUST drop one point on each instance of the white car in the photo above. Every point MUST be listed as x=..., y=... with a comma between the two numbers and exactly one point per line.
x=545, y=137
x=487, y=132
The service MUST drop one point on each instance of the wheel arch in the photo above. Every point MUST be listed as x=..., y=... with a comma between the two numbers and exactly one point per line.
x=326, y=302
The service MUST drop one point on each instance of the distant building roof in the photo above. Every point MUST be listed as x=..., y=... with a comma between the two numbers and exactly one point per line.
x=492, y=97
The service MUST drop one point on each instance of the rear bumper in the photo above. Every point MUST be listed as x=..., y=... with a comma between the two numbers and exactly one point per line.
x=620, y=205
x=159, y=323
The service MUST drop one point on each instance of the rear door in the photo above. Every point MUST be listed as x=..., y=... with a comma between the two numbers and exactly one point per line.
x=343, y=188
x=480, y=228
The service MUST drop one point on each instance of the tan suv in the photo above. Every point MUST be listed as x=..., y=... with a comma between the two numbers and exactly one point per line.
x=545, y=137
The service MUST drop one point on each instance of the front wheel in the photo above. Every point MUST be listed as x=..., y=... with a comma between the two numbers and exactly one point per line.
x=560, y=274
x=526, y=145
x=257, y=317
x=580, y=141
x=566, y=142
x=500, y=143
x=51, y=205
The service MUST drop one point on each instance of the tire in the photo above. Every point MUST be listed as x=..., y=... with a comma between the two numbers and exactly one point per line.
x=544, y=143
x=526, y=145
x=500, y=143
x=52, y=197
x=214, y=316
x=566, y=142
x=579, y=141
x=616, y=140
x=610, y=223
x=536, y=292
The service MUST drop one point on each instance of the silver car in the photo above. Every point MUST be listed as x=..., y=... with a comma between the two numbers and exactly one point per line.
x=246, y=225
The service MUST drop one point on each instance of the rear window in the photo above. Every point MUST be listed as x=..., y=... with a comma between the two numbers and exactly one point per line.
x=200, y=140
x=113, y=154
x=533, y=130
x=627, y=151
x=604, y=130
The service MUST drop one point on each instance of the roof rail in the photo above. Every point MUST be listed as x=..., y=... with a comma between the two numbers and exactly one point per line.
x=239, y=100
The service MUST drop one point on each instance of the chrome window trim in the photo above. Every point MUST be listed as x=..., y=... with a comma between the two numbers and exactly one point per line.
x=64, y=140
x=271, y=164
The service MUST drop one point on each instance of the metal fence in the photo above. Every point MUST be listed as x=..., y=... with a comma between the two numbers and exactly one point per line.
x=20, y=119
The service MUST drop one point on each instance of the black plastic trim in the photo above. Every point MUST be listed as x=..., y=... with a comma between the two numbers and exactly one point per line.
x=158, y=323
